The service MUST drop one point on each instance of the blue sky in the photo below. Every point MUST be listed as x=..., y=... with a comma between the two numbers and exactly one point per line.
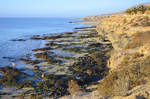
x=63, y=8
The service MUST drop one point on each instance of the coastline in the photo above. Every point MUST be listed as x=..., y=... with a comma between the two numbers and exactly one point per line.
x=108, y=59
x=59, y=56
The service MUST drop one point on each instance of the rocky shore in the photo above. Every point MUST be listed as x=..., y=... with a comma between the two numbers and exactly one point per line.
x=67, y=64
x=129, y=59
x=110, y=60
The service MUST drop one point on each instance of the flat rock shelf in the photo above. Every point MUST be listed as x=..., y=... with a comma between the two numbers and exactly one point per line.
x=71, y=58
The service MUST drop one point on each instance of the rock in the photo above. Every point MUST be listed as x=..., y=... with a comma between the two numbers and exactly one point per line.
x=35, y=37
x=70, y=32
x=12, y=77
x=42, y=49
x=51, y=44
x=36, y=67
x=43, y=55
x=18, y=40
x=84, y=64
x=74, y=88
x=57, y=85
x=52, y=37
x=31, y=62
x=70, y=22
x=88, y=69
x=9, y=58
x=49, y=58
x=93, y=45
x=85, y=27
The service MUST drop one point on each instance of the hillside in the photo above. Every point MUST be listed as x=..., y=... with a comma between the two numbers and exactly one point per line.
x=129, y=62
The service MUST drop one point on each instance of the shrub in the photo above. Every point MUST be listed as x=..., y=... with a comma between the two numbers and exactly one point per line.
x=132, y=74
x=128, y=11
x=134, y=10
x=141, y=8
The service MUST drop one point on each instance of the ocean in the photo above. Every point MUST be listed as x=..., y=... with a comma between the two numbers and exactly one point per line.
x=24, y=28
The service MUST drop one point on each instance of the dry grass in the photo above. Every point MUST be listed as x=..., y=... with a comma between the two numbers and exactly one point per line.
x=118, y=82
x=139, y=39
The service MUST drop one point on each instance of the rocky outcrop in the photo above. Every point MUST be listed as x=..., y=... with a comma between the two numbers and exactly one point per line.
x=129, y=62
x=128, y=34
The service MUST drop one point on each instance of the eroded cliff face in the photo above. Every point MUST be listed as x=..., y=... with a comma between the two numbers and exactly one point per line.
x=129, y=63
x=129, y=34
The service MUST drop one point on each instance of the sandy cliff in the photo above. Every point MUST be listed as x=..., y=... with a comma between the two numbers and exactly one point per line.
x=129, y=63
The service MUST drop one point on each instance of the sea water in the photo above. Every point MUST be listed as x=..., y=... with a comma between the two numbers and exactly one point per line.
x=24, y=28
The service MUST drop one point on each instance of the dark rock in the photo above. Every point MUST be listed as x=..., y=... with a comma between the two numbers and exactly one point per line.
x=35, y=37
x=56, y=84
x=42, y=49
x=51, y=44
x=93, y=45
x=88, y=69
x=85, y=27
x=36, y=67
x=18, y=40
x=9, y=58
x=70, y=22
x=43, y=55
x=47, y=57
x=69, y=32
x=11, y=77
x=52, y=37
x=31, y=62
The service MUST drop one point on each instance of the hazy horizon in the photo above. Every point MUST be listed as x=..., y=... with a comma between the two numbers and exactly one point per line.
x=63, y=8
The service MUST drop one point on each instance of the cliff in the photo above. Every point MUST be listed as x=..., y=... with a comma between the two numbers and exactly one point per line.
x=128, y=76
x=129, y=63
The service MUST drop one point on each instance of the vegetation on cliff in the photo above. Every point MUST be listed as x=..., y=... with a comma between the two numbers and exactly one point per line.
x=129, y=63
x=141, y=9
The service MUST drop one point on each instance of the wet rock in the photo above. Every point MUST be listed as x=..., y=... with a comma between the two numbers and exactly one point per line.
x=52, y=37
x=31, y=62
x=88, y=69
x=18, y=40
x=47, y=37
x=11, y=77
x=51, y=44
x=43, y=55
x=47, y=57
x=70, y=22
x=39, y=73
x=70, y=32
x=93, y=45
x=73, y=49
x=42, y=49
x=85, y=27
x=36, y=67
x=9, y=58
x=35, y=37
x=56, y=85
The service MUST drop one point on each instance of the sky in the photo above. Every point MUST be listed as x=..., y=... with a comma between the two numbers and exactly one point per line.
x=63, y=8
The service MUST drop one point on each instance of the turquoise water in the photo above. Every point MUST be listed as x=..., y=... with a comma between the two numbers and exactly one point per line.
x=24, y=28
